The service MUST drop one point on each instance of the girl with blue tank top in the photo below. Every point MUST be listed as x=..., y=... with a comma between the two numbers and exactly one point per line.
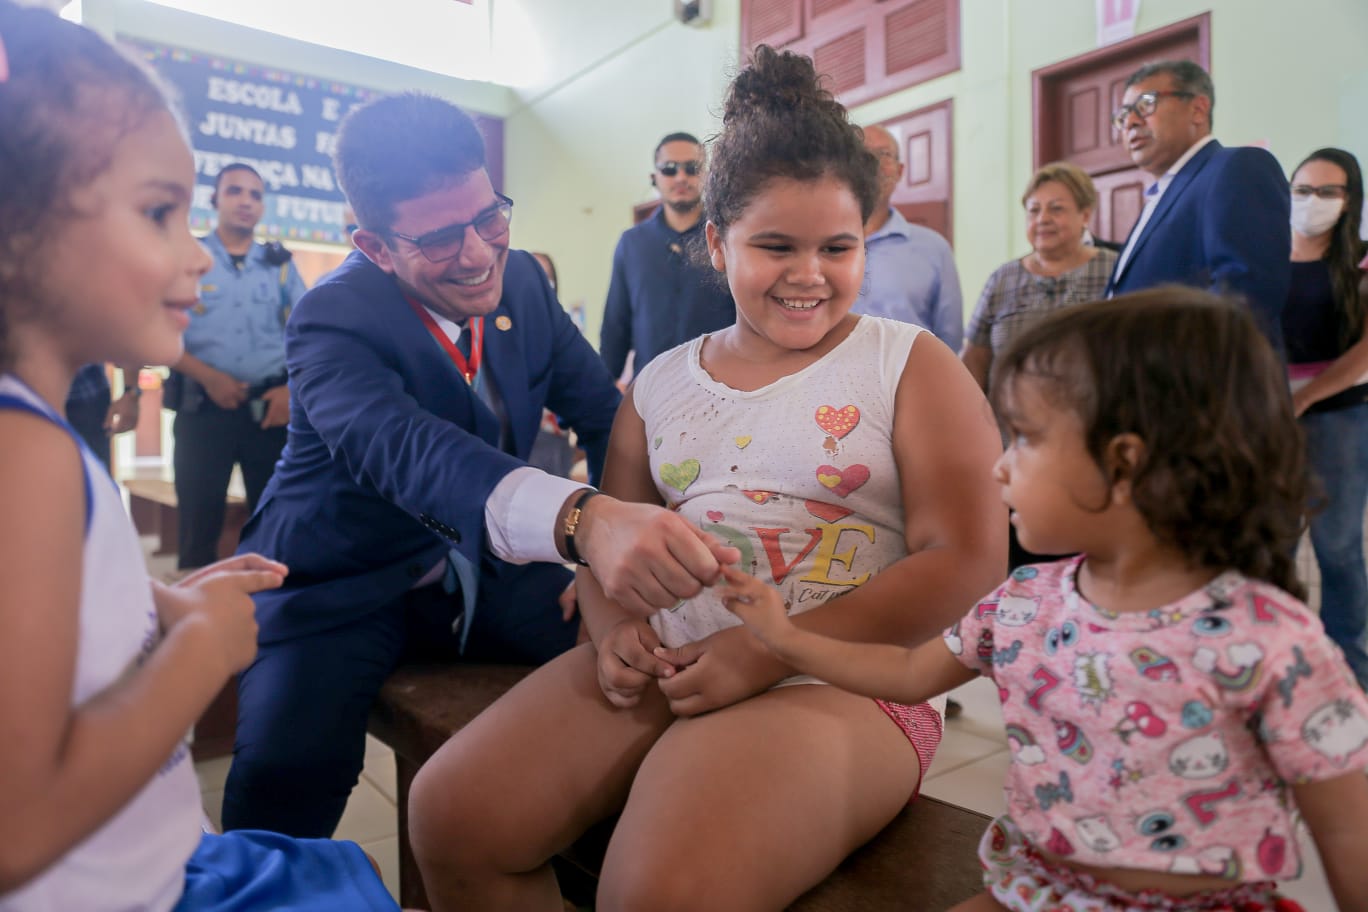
x=103, y=671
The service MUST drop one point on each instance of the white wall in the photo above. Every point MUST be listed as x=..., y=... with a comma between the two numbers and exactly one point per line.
x=579, y=152
x=600, y=81
x=1294, y=75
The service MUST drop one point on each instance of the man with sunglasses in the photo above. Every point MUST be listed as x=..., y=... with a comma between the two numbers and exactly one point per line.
x=403, y=504
x=1215, y=217
x=658, y=297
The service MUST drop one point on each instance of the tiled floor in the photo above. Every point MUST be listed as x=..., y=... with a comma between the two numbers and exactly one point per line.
x=969, y=770
x=370, y=816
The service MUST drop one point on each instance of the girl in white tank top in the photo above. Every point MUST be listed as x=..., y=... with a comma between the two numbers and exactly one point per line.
x=848, y=460
x=102, y=671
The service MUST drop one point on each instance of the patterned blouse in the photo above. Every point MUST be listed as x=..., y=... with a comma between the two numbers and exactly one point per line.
x=1014, y=298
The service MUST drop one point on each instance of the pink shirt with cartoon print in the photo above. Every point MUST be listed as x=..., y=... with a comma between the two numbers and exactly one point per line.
x=1164, y=740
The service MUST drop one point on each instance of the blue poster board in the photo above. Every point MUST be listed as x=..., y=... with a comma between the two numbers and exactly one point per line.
x=281, y=123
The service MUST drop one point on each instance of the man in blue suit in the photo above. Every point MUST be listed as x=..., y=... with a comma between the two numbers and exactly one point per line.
x=402, y=504
x=1216, y=218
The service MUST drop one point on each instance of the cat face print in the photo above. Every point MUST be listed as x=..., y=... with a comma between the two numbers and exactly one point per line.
x=1017, y=611
x=1336, y=730
x=1200, y=757
x=1096, y=833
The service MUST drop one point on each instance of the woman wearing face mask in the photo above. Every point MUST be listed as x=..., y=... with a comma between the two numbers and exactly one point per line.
x=1327, y=351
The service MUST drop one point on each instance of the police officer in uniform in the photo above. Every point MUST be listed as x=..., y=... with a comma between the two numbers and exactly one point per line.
x=229, y=388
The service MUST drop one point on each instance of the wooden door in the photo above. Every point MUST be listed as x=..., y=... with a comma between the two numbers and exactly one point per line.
x=865, y=48
x=772, y=22
x=1120, y=198
x=1073, y=101
x=926, y=144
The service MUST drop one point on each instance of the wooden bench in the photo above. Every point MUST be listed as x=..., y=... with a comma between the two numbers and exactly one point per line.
x=926, y=859
x=152, y=506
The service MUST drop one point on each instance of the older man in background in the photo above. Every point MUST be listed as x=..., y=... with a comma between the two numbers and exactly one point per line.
x=909, y=270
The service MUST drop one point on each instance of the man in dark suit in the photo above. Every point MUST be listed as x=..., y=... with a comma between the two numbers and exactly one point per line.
x=1215, y=217
x=402, y=504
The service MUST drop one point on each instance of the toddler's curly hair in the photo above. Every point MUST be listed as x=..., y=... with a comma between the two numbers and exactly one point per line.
x=1224, y=475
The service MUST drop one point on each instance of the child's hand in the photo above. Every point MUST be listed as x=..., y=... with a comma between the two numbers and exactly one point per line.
x=626, y=663
x=758, y=605
x=723, y=668
x=568, y=602
x=234, y=564
x=218, y=599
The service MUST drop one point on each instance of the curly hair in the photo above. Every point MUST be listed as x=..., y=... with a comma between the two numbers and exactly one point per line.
x=1224, y=477
x=69, y=98
x=779, y=122
x=399, y=148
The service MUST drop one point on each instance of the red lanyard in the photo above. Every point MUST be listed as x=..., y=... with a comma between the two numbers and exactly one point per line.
x=476, y=328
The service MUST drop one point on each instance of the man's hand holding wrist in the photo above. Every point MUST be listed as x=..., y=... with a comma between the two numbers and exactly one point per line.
x=646, y=557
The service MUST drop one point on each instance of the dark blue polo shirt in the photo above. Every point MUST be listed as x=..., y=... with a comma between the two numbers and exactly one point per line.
x=658, y=298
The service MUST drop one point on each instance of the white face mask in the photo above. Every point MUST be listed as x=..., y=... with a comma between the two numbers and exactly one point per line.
x=1313, y=216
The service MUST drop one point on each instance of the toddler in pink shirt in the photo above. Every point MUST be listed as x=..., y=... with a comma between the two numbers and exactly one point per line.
x=1171, y=707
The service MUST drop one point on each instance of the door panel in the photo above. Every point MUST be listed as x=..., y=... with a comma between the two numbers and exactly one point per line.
x=866, y=48
x=843, y=62
x=1120, y=198
x=926, y=144
x=772, y=22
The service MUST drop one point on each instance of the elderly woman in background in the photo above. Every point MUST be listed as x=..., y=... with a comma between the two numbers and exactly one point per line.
x=1060, y=270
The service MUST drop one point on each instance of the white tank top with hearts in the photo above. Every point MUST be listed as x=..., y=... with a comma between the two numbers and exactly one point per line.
x=799, y=475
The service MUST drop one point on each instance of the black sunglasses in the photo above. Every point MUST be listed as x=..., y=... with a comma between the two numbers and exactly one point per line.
x=671, y=168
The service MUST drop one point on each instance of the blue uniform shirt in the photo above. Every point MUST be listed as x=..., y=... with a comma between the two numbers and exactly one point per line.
x=657, y=298
x=239, y=325
x=910, y=276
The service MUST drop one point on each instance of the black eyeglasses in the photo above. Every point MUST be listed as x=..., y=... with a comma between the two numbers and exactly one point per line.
x=1144, y=105
x=1324, y=191
x=671, y=168
x=443, y=244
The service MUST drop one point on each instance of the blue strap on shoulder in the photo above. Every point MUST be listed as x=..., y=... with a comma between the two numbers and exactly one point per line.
x=14, y=402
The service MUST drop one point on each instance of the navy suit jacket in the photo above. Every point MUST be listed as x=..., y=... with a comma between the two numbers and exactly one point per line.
x=391, y=455
x=1223, y=225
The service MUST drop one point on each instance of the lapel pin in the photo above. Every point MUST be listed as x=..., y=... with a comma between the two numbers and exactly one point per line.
x=503, y=323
